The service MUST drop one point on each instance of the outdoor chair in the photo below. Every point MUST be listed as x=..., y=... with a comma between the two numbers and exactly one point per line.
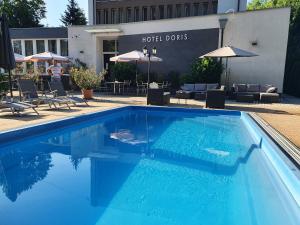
x=30, y=95
x=215, y=98
x=141, y=88
x=16, y=107
x=157, y=96
x=58, y=91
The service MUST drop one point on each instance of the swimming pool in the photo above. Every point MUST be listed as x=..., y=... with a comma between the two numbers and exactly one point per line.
x=146, y=165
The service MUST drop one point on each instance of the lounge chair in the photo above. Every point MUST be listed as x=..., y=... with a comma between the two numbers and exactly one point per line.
x=215, y=98
x=58, y=91
x=16, y=107
x=30, y=95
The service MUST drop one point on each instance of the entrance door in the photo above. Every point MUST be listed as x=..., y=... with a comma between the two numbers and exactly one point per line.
x=110, y=49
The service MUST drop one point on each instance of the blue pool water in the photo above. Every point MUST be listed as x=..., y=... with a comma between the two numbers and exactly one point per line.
x=138, y=166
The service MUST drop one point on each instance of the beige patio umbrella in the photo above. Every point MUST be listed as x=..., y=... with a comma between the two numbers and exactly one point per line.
x=228, y=52
x=136, y=56
x=46, y=56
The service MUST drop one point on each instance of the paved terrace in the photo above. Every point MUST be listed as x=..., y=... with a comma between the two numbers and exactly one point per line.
x=284, y=117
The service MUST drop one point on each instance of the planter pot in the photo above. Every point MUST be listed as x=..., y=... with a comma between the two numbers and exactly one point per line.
x=87, y=94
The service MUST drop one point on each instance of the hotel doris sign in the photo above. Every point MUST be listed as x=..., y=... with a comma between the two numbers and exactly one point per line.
x=178, y=49
x=166, y=38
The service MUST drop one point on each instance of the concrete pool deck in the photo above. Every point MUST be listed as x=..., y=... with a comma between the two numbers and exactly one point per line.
x=284, y=116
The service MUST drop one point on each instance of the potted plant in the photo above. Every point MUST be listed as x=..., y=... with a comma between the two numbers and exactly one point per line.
x=87, y=80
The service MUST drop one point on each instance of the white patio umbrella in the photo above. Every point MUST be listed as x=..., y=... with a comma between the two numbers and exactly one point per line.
x=136, y=56
x=19, y=58
x=46, y=56
x=228, y=52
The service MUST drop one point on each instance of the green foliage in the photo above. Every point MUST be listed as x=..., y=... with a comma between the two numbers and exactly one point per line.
x=4, y=85
x=123, y=71
x=174, y=78
x=292, y=78
x=86, y=79
x=24, y=13
x=204, y=71
x=73, y=15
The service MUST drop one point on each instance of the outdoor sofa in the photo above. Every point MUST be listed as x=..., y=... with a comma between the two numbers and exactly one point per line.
x=255, y=92
x=157, y=96
x=197, y=91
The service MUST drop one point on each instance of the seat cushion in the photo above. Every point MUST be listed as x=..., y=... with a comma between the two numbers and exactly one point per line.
x=240, y=88
x=188, y=87
x=264, y=88
x=212, y=86
x=200, y=87
x=253, y=88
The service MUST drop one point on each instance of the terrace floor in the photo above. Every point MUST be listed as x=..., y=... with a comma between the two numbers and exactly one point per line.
x=284, y=116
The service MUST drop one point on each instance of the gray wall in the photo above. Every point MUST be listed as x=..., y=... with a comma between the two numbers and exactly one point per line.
x=177, y=49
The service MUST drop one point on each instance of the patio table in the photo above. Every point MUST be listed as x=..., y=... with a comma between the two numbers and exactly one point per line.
x=115, y=83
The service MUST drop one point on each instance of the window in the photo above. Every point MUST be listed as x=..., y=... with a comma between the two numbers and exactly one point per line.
x=205, y=8
x=196, y=9
x=17, y=45
x=169, y=11
x=28, y=48
x=136, y=14
x=145, y=13
x=113, y=16
x=128, y=15
x=161, y=12
x=120, y=16
x=187, y=10
x=178, y=11
x=105, y=12
x=98, y=17
x=153, y=13
x=64, y=51
x=52, y=46
x=215, y=7
x=109, y=46
x=40, y=46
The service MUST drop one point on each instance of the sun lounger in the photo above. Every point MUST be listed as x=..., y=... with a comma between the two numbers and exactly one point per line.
x=58, y=91
x=17, y=107
x=30, y=94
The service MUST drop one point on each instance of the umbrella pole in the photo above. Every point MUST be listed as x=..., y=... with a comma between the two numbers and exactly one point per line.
x=10, y=84
x=136, y=72
x=148, y=75
x=226, y=77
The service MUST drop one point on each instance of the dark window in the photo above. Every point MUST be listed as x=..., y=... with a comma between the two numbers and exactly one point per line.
x=98, y=17
x=64, y=47
x=113, y=16
x=205, y=8
x=17, y=45
x=40, y=46
x=178, y=11
x=105, y=12
x=145, y=13
x=136, y=14
x=52, y=46
x=187, y=10
x=153, y=13
x=161, y=12
x=196, y=9
x=28, y=48
x=128, y=15
x=169, y=11
x=215, y=7
x=109, y=46
x=120, y=15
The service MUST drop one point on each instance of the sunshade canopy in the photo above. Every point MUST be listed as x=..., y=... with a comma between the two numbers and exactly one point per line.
x=228, y=52
x=19, y=58
x=46, y=56
x=134, y=56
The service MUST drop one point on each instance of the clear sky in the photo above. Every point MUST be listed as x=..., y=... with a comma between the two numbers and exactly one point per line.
x=55, y=9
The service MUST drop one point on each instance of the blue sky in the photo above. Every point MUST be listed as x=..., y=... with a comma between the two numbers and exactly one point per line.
x=56, y=8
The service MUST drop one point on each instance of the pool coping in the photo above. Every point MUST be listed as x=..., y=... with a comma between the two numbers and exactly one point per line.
x=261, y=135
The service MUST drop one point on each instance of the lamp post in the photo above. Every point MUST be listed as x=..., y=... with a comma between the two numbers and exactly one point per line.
x=148, y=54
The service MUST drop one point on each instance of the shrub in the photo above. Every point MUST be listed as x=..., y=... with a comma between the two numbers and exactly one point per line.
x=86, y=79
x=4, y=85
x=205, y=71
x=123, y=71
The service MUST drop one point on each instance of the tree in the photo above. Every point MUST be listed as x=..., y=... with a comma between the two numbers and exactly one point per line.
x=24, y=13
x=74, y=15
x=292, y=69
